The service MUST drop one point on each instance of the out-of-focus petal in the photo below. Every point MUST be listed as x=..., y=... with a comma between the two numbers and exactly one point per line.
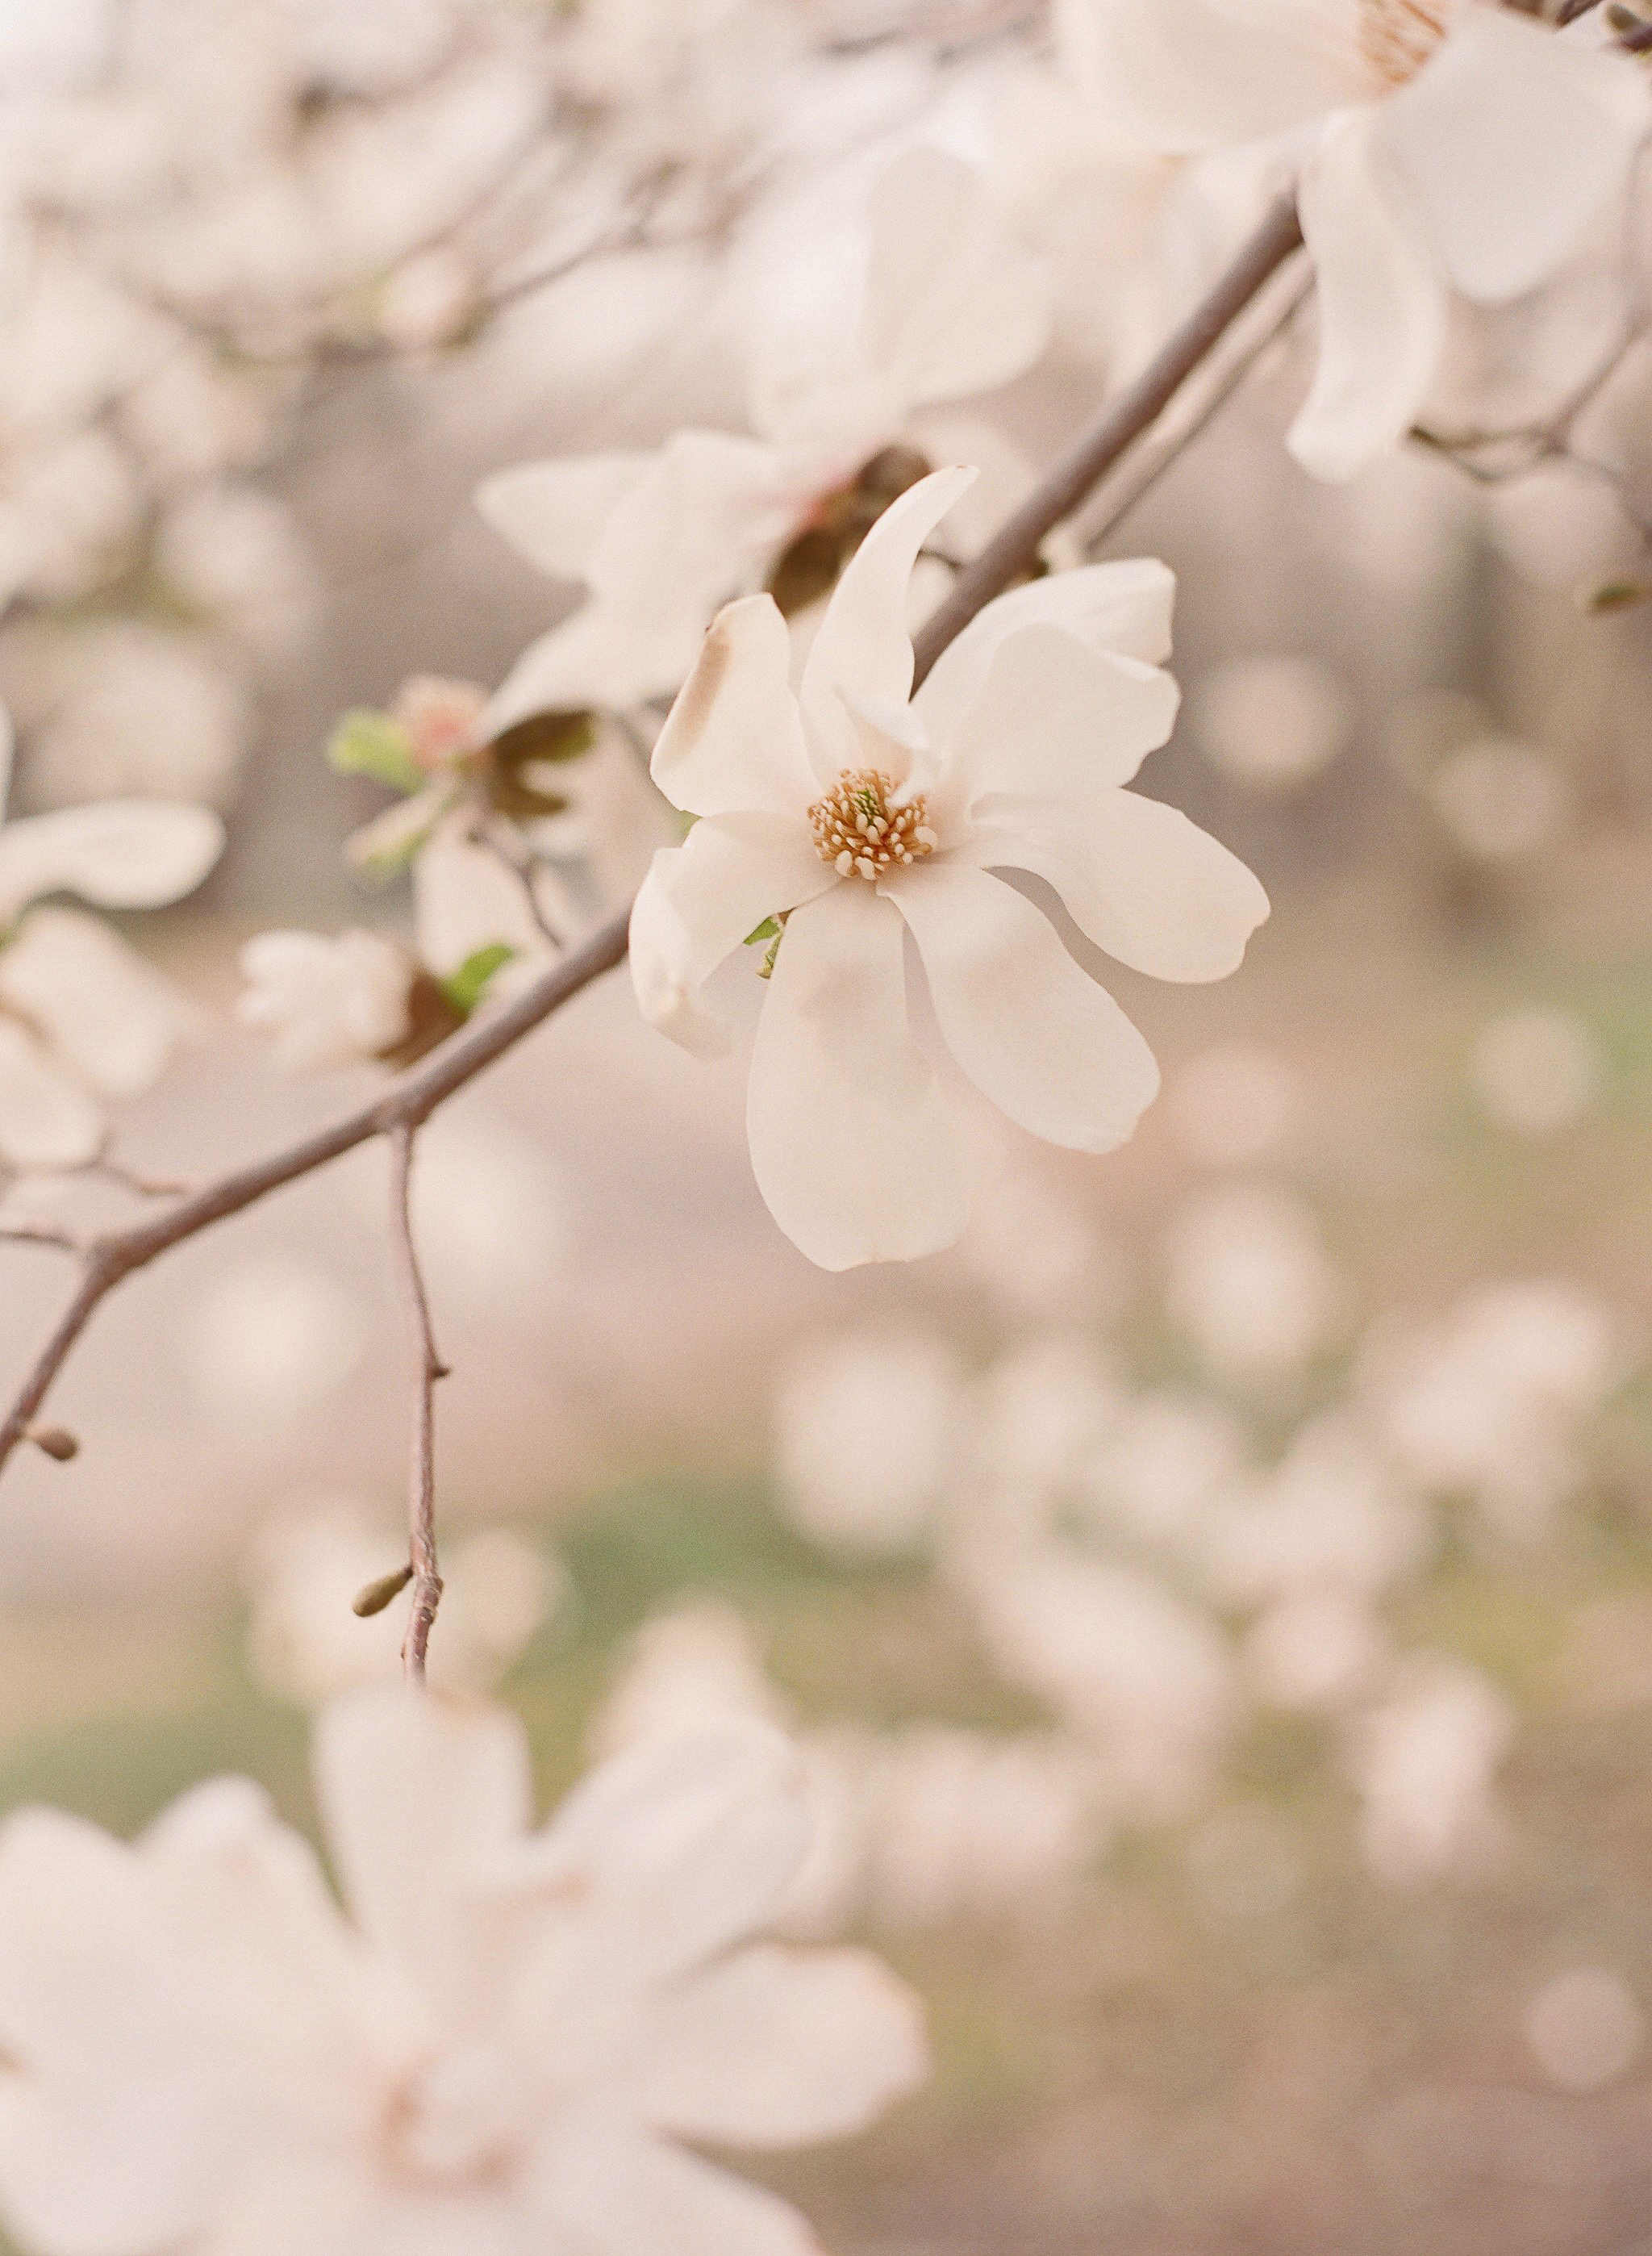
x=1056, y=720
x=628, y=2194
x=1188, y=74
x=730, y=875
x=953, y=304
x=851, y=1139
x=863, y=645
x=777, y=2048
x=733, y=741
x=1031, y=1029
x=1138, y=877
x=105, y=2170
x=1512, y=140
x=46, y=1118
x=425, y=1799
x=110, y=1015
x=466, y=897
x=685, y=1847
x=123, y=854
x=554, y=512
x=1123, y=607
x=1381, y=299
x=603, y=655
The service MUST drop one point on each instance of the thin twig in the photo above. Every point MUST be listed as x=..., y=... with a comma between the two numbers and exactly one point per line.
x=428, y=1367
x=408, y=1102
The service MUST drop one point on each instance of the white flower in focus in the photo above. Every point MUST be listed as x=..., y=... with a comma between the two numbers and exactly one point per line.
x=1250, y=1283
x=327, y=1000
x=499, y=2048
x=928, y=301
x=1443, y=144
x=305, y=1644
x=1425, y=1763
x=866, y=1436
x=862, y=821
x=84, y=1021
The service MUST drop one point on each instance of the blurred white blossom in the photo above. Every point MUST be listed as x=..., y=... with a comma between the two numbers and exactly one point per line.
x=867, y=1437
x=1534, y=1071
x=1425, y=1762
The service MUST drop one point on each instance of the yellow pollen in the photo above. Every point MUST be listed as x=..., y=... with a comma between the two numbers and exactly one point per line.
x=857, y=831
x=1398, y=37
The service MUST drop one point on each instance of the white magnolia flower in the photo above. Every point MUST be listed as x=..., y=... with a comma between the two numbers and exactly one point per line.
x=944, y=306
x=84, y=1021
x=1442, y=143
x=862, y=820
x=499, y=2050
x=327, y=1000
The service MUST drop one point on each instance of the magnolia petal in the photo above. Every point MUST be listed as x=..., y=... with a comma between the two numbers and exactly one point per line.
x=734, y=741
x=1124, y=607
x=852, y=1142
x=863, y=645
x=624, y=2193
x=1189, y=74
x=123, y=854
x=953, y=305
x=1136, y=877
x=111, y=1017
x=424, y=1799
x=46, y=1118
x=1031, y=1029
x=467, y=897
x=731, y=874
x=691, y=531
x=778, y=2048
x=1512, y=140
x=554, y=512
x=1381, y=297
x=113, y=2166
x=1054, y=720
x=685, y=1846
x=600, y=655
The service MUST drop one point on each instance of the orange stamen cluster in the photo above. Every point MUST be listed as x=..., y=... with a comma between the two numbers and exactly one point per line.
x=1398, y=37
x=860, y=835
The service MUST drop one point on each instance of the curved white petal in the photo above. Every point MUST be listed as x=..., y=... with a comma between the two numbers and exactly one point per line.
x=1055, y=720
x=124, y=854
x=734, y=741
x=1188, y=74
x=1136, y=877
x=863, y=645
x=851, y=1143
x=1031, y=1029
x=1381, y=299
x=112, y=1017
x=680, y=1848
x=46, y=1118
x=692, y=530
x=1512, y=140
x=953, y=304
x=466, y=897
x=617, y=2192
x=778, y=2047
x=705, y=897
x=602, y=655
x=125, y=2164
x=424, y=1800
x=554, y=512
x=1122, y=607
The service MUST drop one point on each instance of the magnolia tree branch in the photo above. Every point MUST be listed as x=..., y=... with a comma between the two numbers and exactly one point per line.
x=402, y=1109
x=428, y=1367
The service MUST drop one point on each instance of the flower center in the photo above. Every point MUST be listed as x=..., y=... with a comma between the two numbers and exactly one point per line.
x=447, y=2129
x=1398, y=37
x=860, y=835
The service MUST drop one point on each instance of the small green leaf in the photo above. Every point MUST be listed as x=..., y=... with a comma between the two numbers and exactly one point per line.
x=769, y=929
x=466, y=987
x=1602, y=597
x=371, y=743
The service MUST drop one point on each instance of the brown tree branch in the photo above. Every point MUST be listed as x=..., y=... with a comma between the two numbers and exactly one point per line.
x=428, y=1367
x=403, y=1107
